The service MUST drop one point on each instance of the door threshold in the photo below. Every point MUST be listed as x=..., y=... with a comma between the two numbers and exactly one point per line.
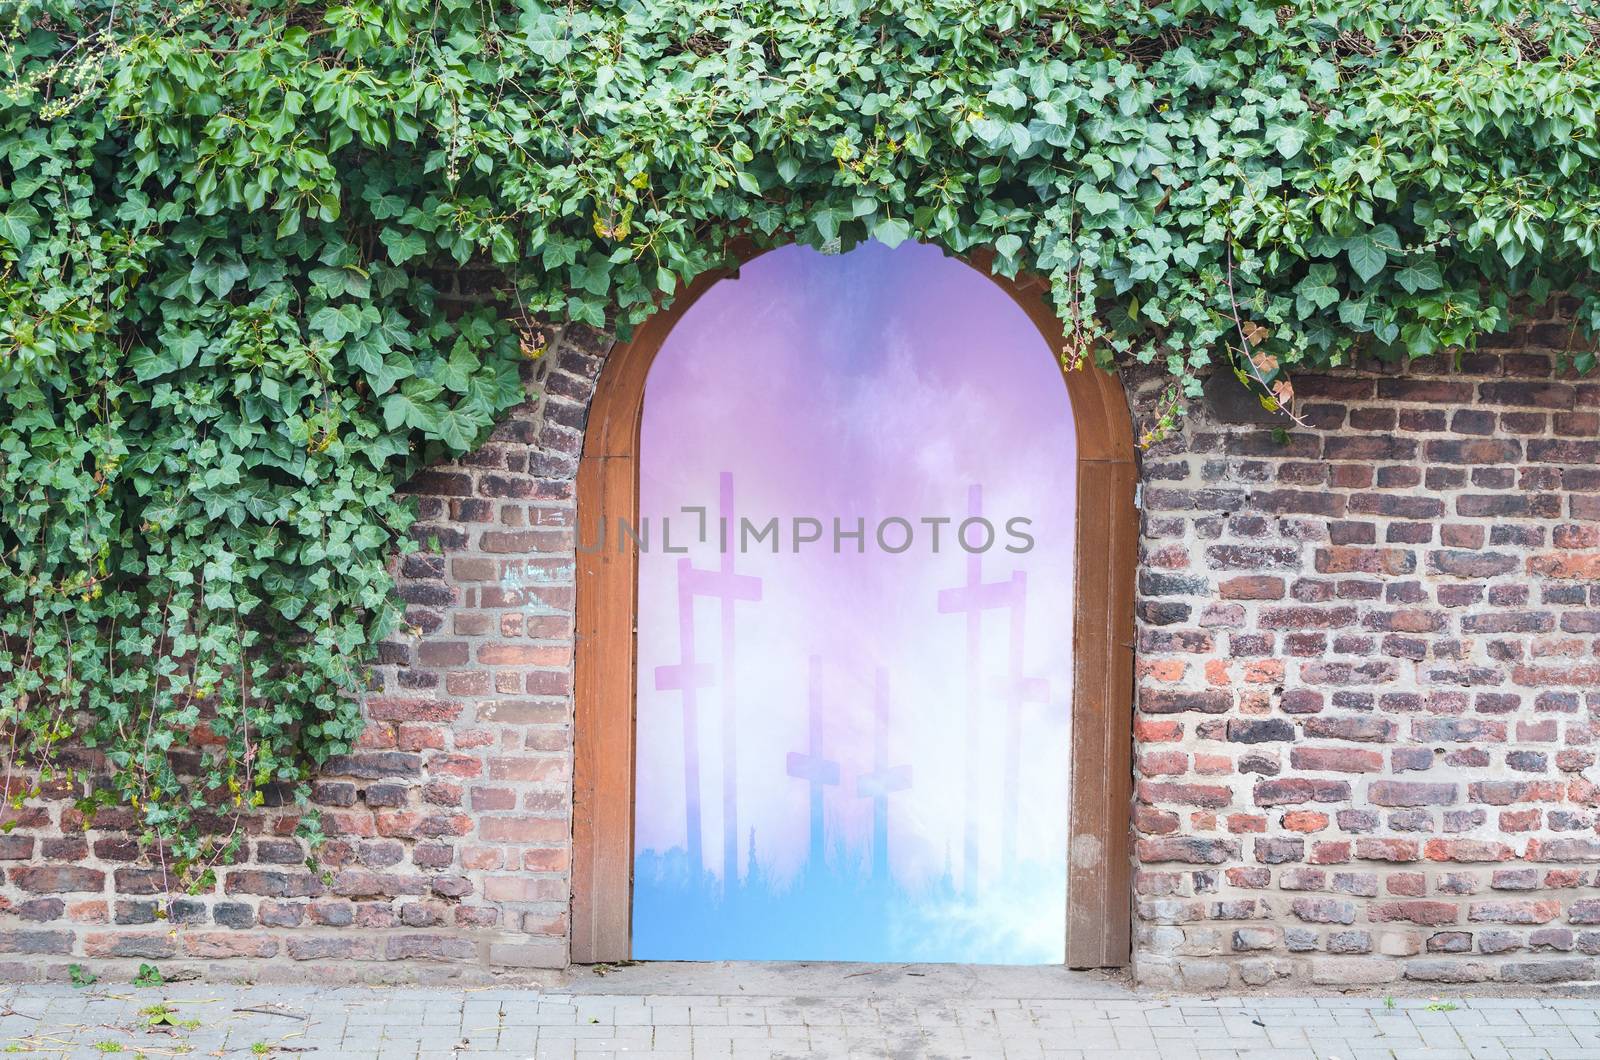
x=831, y=979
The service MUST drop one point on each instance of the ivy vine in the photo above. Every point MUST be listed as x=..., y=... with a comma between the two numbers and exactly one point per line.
x=223, y=351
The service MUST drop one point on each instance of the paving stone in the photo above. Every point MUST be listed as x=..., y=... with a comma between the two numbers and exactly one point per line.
x=445, y=1024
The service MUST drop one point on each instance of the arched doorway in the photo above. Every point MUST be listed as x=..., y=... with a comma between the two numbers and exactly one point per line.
x=869, y=340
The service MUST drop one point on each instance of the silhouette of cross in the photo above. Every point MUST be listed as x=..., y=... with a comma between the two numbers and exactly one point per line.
x=972, y=600
x=883, y=780
x=688, y=676
x=728, y=587
x=811, y=766
x=1017, y=691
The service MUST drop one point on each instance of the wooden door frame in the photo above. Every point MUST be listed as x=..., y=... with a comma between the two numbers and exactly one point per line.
x=1099, y=892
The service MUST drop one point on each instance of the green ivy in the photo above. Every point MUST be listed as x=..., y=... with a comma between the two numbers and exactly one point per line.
x=222, y=351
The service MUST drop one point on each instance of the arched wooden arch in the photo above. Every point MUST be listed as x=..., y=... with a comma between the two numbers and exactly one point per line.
x=1099, y=906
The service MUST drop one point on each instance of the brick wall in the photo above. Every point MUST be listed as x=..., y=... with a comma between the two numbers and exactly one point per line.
x=1369, y=684
x=450, y=824
x=1367, y=694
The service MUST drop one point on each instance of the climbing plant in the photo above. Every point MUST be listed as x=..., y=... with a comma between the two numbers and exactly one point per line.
x=224, y=226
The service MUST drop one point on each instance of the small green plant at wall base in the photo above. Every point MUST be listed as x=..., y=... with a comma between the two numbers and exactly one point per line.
x=159, y=1015
x=164, y=1015
x=80, y=976
x=108, y=1047
x=225, y=228
x=148, y=975
x=260, y=1048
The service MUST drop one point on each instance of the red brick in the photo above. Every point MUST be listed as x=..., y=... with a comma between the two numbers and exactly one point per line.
x=1429, y=914
x=1336, y=759
x=56, y=879
x=522, y=655
x=1190, y=849
x=1581, y=566
x=524, y=889
x=1409, y=884
x=152, y=945
x=1515, y=912
x=1251, y=587
x=1411, y=793
x=1466, y=850
x=224, y=944
x=1163, y=793
x=1374, y=849
x=1295, y=790
x=524, y=829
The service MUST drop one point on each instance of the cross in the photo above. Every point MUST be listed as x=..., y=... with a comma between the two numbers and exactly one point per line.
x=972, y=600
x=812, y=767
x=1017, y=691
x=730, y=588
x=689, y=675
x=883, y=780
x=724, y=585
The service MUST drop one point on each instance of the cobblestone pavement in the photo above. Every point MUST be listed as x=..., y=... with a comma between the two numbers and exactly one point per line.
x=828, y=1015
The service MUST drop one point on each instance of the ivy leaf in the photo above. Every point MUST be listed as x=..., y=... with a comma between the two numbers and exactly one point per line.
x=494, y=393
x=1316, y=291
x=1366, y=258
x=546, y=36
x=1258, y=20
x=1353, y=314
x=412, y=406
x=592, y=275
x=16, y=224
x=458, y=428
x=1369, y=251
x=891, y=231
x=382, y=373
x=1096, y=201
x=456, y=373
x=1286, y=139
x=390, y=371
x=402, y=245
x=1419, y=276
x=148, y=364
x=220, y=277
x=334, y=322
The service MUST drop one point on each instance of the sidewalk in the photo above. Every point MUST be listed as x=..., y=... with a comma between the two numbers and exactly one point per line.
x=758, y=1011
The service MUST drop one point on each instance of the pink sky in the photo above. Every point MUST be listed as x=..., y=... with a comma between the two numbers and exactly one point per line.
x=873, y=384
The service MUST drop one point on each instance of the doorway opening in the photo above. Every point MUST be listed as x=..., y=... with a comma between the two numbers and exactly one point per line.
x=867, y=564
